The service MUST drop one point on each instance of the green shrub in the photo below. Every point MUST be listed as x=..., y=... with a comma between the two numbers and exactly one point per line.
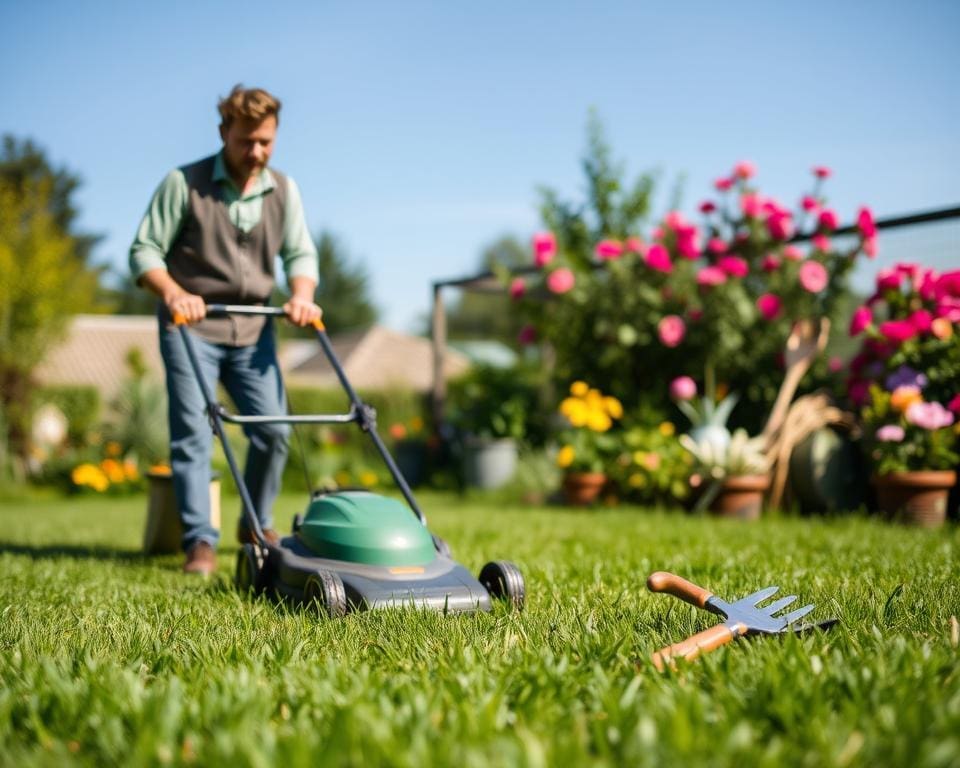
x=79, y=403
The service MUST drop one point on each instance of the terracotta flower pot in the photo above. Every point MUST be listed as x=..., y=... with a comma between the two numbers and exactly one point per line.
x=741, y=496
x=915, y=498
x=583, y=488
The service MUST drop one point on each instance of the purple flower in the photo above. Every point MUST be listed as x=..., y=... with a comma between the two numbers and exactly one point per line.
x=929, y=415
x=905, y=376
x=890, y=433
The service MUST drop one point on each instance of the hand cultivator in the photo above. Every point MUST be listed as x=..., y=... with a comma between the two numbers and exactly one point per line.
x=743, y=617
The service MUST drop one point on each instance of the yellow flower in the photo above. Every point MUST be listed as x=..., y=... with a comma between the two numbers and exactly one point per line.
x=598, y=421
x=112, y=449
x=368, y=479
x=575, y=410
x=637, y=480
x=565, y=456
x=942, y=328
x=579, y=388
x=113, y=470
x=639, y=457
x=342, y=477
x=416, y=424
x=903, y=397
x=667, y=429
x=613, y=406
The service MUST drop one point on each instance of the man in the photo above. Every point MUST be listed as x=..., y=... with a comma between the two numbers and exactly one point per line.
x=211, y=234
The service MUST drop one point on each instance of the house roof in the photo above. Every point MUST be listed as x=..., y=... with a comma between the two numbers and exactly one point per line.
x=377, y=358
x=95, y=350
x=96, y=346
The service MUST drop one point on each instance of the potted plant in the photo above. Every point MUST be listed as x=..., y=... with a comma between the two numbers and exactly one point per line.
x=490, y=408
x=733, y=478
x=587, y=446
x=906, y=383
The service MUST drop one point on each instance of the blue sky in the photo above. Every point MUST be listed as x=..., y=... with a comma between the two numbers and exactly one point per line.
x=419, y=132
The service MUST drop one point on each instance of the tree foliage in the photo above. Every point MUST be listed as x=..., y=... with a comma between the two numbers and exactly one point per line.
x=44, y=275
x=344, y=290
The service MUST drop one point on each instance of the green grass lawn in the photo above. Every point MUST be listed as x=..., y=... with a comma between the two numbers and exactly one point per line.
x=109, y=657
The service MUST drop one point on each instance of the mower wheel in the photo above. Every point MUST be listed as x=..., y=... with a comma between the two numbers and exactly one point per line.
x=503, y=580
x=441, y=546
x=297, y=522
x=324, y=590
x=249, y=575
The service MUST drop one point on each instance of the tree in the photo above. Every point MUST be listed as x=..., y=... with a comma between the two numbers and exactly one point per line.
x=44, y=275
x=344, y=290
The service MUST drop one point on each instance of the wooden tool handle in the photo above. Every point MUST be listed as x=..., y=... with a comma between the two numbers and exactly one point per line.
x=661, y=581
x=696, y=644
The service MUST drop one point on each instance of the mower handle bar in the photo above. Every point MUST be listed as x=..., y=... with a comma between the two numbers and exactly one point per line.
x=360, y=412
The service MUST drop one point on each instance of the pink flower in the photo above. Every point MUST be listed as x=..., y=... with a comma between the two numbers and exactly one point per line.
x=821, y=242
x=866, y=223
x=658, y=258
x=722, y=185
x=862, y=318
x=671, y=330
x=527, y=335
x=828, y=220
x=813, y=276
x=634, y=245
x=711, y=276
x=929, y=415
x=695, y=315
x=821, y=171
x=809, y=203
x=685, y=388
x=744, y=170
x=870, y=247
x=891, y=433
x=544, y=248
x=608, y=250
x=770, y=263
x=780, y=225
x=733, y=266
x=769, y=305
x=751, y=204
x=889, y=280
x=561, y=280
x=717, y=245
x=922, y=320
x=858, y=391
x=688, y=241
x=954, y=404
x=517, y=288
x=898, y=331
x=708, y=206
x=948, y=284
x=835, y=364
x=792, y=253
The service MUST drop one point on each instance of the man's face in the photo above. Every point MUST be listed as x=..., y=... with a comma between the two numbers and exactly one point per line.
x=247, y=145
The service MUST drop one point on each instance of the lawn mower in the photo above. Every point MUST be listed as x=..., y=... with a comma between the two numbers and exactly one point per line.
x=352, y=550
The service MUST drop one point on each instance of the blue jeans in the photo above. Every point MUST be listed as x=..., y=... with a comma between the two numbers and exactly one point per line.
x=251, y=376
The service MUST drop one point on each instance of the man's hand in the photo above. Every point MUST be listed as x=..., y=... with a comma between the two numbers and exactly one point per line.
x=301, y=309
x=190, y=306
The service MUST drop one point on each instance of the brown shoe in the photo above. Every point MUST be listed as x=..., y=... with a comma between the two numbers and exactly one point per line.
x=201, y=559
x=245, y=536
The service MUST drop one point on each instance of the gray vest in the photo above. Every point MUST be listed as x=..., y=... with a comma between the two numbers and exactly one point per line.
x=215, y=259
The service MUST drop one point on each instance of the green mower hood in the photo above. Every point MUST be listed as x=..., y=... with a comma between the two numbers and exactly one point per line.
x=362, y=527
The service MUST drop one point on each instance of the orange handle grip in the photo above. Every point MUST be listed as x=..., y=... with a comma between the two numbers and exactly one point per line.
x=179, y=319
x=318, y=324
x=661, y=581
x=696, y=644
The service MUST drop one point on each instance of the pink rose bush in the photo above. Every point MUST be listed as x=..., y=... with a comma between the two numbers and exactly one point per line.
x=630, y=303
x=905, y=379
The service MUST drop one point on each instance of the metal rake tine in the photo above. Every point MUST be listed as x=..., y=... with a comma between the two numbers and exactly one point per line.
x=779, y=605
x=797, y=614
x=759, y=597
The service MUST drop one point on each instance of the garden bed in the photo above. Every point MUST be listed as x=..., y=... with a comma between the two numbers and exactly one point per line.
x=110, y=657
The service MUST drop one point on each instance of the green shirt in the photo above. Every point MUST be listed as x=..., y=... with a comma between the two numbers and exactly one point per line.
x=161, y=223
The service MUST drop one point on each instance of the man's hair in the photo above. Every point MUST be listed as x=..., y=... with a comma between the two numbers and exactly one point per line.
x=251, y=103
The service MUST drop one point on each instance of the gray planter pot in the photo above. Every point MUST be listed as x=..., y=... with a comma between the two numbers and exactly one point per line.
x=489, y=463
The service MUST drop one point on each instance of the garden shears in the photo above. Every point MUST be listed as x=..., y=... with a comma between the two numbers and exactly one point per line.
x=742, y=617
